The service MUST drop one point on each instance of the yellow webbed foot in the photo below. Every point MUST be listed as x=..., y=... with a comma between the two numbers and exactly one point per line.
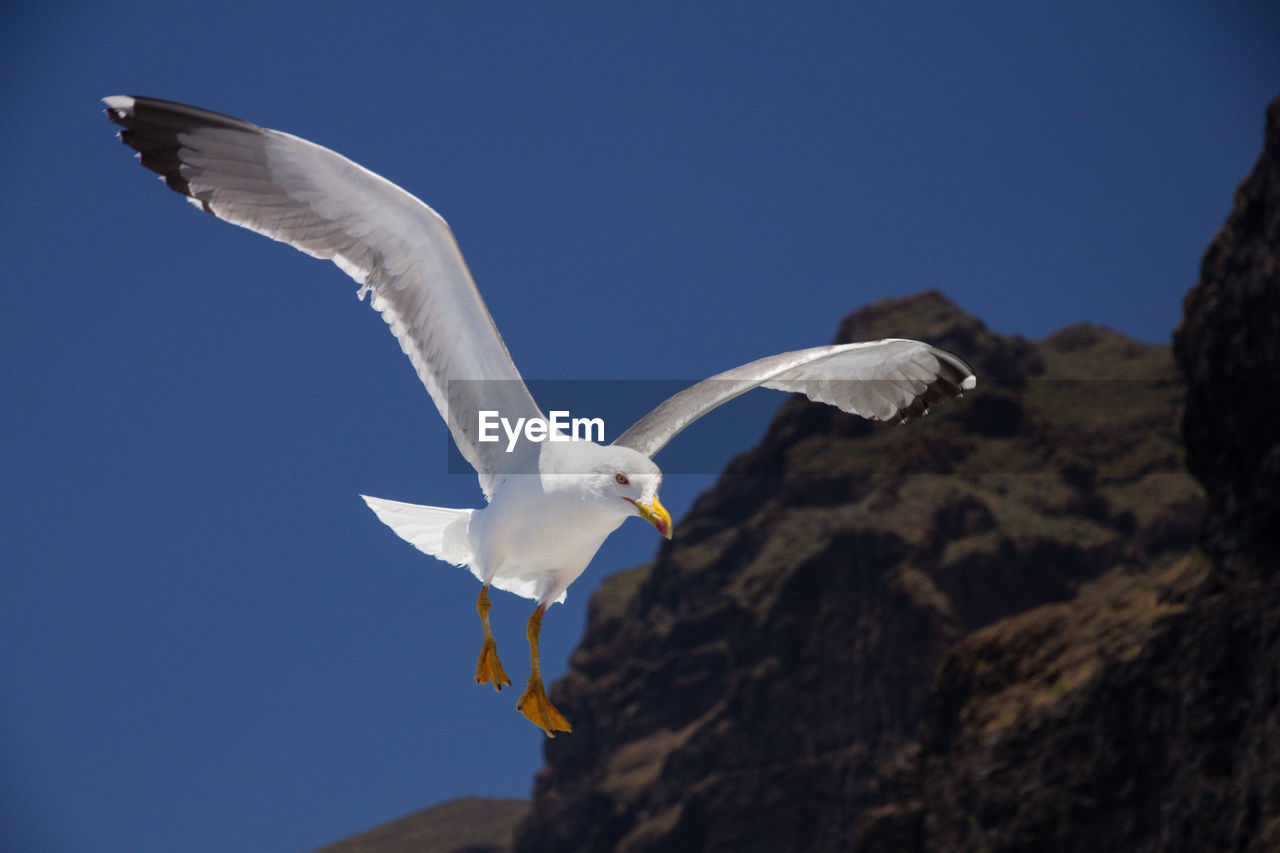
x=535, y=705
x=489, y=668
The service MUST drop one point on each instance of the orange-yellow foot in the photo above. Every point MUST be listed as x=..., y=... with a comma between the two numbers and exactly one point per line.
x=535, y=705
x=489, y=668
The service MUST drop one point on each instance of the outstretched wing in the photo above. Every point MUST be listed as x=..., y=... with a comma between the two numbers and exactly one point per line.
x=890, y=380
x=399, y=250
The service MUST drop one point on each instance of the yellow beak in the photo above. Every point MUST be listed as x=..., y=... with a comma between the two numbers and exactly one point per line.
x=657, y=515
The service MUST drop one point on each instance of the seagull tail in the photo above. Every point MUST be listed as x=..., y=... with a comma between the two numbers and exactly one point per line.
x=434, y=530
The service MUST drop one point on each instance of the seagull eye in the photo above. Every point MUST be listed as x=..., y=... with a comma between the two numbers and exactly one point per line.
x=621, y=479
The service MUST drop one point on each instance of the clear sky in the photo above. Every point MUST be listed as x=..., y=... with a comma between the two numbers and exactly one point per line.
x=207, y=642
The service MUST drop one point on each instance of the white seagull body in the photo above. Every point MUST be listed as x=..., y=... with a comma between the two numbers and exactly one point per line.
x=551, y=504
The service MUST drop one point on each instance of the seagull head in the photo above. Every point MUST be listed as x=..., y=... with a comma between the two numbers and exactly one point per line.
x=631, y=477
x=633, y=489
x=623, y=481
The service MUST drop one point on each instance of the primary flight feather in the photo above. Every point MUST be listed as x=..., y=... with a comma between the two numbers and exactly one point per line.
x=551, y=504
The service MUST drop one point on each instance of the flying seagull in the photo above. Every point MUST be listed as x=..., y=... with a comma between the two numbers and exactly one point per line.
x=551, y=501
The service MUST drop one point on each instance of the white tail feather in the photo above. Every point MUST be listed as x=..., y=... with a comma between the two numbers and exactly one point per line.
x=434, y=530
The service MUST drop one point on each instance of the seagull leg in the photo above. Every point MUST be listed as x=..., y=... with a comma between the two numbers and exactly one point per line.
x=534, y=704
x=488, y=667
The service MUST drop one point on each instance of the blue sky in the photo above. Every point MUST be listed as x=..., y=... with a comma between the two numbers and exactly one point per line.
x=207, y=641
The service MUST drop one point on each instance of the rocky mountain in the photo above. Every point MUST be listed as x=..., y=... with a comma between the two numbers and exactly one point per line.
x=749, y=689
x=467, y=825
x=1167, y=736
x=1015, y=624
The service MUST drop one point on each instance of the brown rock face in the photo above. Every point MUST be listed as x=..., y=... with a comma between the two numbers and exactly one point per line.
x=1143, y=714
x=753, y=688
x=1229, y=347
x=467, y=825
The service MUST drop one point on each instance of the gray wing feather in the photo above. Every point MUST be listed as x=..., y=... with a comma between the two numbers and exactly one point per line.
x=890, y=380
x=399, y=249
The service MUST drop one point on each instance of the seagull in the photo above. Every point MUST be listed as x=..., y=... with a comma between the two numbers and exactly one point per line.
x=551, y=500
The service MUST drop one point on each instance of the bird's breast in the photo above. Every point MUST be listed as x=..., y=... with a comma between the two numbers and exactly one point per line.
x=537, y=531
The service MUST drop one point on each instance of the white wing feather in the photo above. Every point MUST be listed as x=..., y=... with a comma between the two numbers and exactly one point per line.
x=399, y=249
x=890, y=380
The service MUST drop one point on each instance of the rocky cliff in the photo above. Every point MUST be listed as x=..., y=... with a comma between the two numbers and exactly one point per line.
x=1145, y=714
x=751, y=687
x=467, y=825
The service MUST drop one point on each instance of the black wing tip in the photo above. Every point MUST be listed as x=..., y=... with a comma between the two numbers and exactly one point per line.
x=955, y=376
x=152, y=127
x=131, y=110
